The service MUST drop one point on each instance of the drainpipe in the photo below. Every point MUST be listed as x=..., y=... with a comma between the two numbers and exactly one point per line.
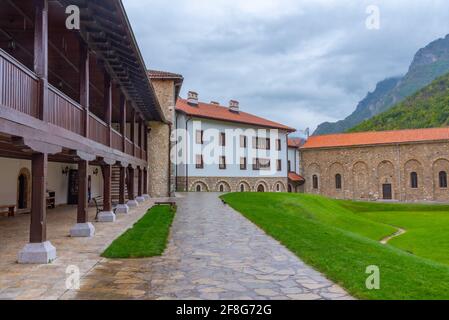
x=176, y=166
x=399, y=173
x=170, y=126
x=187, y=162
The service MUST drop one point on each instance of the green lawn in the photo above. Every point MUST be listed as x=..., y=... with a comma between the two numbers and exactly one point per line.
x=341, y=238
x=147, y=238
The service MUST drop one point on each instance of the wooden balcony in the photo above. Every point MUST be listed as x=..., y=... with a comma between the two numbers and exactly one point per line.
x=19, y=91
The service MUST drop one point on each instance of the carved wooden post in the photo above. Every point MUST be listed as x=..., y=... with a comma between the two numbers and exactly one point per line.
x=84, y=79
x=122, y=207
x=41, y=55
x=83, y=227
x=108, y=105
x=123, y=121
x=140, y=197
x=107, y=215
x=132, y=199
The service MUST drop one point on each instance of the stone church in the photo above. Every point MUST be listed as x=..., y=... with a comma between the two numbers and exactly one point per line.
x=403, y=165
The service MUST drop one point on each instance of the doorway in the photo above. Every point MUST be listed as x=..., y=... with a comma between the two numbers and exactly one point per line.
x=260, y=188
x=23, y=190
x=387, y=192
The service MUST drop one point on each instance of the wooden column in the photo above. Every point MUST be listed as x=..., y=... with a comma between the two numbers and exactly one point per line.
x=145, y=181
x=82, y=216
x=108, y=104
x=38, y=229
x=107, y=201
x=84, y=78
x=123, y=121
x=41, y=55
x=139, y=182
x=131, y=195
x=122, y=185
x=133, y=128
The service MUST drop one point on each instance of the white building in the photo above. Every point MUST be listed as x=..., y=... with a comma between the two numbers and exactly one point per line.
x=295, y=180
x=224, y=149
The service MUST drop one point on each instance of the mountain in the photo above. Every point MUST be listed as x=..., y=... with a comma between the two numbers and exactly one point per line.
x=427, y=108
x=428, y=64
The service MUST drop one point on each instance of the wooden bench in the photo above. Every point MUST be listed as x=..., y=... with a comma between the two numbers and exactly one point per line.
x=98, y=202
x=10, y=209
x=170, y=203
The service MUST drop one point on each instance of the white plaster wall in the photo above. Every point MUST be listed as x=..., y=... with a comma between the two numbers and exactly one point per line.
x=56, y=181
x=294, y=157
x=232, y=170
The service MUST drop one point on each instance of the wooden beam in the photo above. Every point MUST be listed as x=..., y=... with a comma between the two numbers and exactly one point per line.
x=107, y=202
x=108, y=104
x=122, y=183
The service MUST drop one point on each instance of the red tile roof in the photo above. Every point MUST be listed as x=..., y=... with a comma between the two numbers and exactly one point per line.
x=216, y=112
x=373, y=138
x=156, y=74
x=295, y=142
x=292, y=176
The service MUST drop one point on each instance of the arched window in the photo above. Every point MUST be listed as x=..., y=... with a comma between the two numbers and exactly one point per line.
x=242, y=188
x=414, y=180
x=338, y=181
x=278, y=187
x=260, y=188
x=443, y=179
x=198, y=188
x=315, y=181
x=221, y=188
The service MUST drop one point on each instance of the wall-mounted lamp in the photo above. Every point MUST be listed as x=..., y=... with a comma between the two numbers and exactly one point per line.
x=12, y=44
x=95, y=172
x=65, y=171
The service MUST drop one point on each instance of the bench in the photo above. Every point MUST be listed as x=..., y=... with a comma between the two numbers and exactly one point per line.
x=98, y=202
x=170, y=203
x=10, y=209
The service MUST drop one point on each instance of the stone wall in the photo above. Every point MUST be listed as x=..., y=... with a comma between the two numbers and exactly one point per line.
x=233, y=184
x=365, y=171
x=160, y=171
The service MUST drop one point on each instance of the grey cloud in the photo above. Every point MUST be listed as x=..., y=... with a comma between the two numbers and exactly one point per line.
x=297, y=62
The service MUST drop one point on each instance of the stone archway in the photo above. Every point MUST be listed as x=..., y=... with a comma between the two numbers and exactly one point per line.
x=440, y=189
x=386, y=180
x=223, y=186
x=279, y=187
x=244, y=186
x=360, y=176
x=24, y=190
x=262, y=186
x=199, y=186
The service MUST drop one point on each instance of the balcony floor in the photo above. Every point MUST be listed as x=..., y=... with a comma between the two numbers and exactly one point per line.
x=48, y=281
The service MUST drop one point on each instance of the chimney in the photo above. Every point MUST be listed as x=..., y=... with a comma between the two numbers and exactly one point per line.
x=215, y=103
x=192, y=98
x=234, y=106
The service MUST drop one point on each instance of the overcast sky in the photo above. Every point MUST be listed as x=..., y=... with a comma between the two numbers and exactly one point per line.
x=298, y=62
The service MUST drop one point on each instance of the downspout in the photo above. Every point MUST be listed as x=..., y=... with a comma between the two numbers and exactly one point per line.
x=287, y=157
x=170, y=126
x=399, y=173
x=176, y=166
x=187, y=162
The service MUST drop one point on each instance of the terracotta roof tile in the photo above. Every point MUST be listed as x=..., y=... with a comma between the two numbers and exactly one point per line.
x=216, y=112
x=292, y=176
x=156, y=74
x=295, y=142
x=373, y=138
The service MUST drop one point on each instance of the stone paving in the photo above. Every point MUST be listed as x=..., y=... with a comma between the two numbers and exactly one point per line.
x=213, y=253
x=48, y=281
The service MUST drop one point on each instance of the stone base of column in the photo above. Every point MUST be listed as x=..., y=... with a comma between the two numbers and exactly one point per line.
x=122, y=209
x=37, y=253
x=140, y=199
x=106, y=216
x=146, y=197
x=82, y=230
x=132, y=203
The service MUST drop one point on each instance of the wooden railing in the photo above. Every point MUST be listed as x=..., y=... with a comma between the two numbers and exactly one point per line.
x=64, y=112
x=116, y=140
x=129, y=147
x=19, y=91
x=18, y=86
x=98, y=130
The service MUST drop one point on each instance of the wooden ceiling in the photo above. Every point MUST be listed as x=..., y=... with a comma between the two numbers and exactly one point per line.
x=104, y=26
